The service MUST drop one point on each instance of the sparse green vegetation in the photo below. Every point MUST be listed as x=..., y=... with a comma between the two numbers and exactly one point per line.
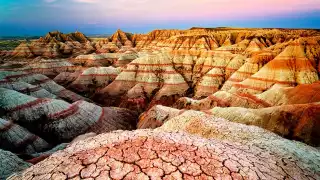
x=9, y=44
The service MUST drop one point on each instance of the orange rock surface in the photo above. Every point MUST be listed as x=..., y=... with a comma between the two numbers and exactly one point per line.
x=219, y=103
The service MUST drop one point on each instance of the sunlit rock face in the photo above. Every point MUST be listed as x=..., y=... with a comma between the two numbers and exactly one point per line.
x=149, y=78
x=234, y=63
x=53, y=45
x=214, y=103
x=93, y=79
x=299, y=122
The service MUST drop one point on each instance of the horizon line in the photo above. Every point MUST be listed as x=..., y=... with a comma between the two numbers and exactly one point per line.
x=146, y=32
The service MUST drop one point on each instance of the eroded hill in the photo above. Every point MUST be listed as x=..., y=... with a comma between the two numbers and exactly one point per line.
x=232, y=93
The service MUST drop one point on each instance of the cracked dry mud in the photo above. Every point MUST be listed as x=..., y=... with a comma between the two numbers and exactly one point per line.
x=147, y=154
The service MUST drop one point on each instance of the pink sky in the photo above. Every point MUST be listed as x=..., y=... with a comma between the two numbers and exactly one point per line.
x=147, y=13
x=213, y=9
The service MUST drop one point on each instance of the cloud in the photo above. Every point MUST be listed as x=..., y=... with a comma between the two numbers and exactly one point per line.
x=86, y=1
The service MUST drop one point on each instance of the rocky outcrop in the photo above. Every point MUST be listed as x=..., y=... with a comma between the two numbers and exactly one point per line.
x=23, y=50
x=125, y=58
x=10, y=163
x=105, y=59
x=146, y=154
x=275, y=96
x=299, y=122
x=17, y=139
x=54, y=44
x=289, y=68
x=49, y=67
x=149, y=78
x=59, y=121
x=156, y=117
x=66, y=78
x=237, y=64
x=234, y=90
x=93, y=79
x=37, y=85
x=121, y=38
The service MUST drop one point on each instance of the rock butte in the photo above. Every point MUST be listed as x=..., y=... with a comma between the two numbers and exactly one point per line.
x=214, y=103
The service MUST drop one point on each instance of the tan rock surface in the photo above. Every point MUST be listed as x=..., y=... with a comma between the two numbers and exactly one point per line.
x=298, y=122
x=145, y=154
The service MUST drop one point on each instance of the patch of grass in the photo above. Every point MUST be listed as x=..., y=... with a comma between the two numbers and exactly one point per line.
x=9, y=44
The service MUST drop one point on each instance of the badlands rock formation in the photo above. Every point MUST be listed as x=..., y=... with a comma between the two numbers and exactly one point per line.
x=146, y=154
x=201, y=62
x=34, y=117
x=299, y=122
x=94, y=78
x=10, y=163
x=147, y=78
x=36, y=84
x=60, y=121
x=54, y=44
x=218, y=103
x=275, y=96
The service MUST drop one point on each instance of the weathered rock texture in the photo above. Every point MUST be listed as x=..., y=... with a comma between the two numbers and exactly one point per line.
x=54, y=44
x=236, y=78
x=145, y=154
x=59, y=121
x=149, y=78
x=49, y=67
x=275, y=96
x=10, y=163
x=33, y=118
x=36, y=85
x=299, y=122
x=234, y=63
x=93, y=79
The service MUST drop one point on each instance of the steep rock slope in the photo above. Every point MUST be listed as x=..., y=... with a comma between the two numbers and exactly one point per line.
x=91, y=79
x=59, y=121
x=299, y=122
x=10, y=163
x=241, y=62
x=275, y=96
x=37, y=85
x=54, y=44
x=150, y=77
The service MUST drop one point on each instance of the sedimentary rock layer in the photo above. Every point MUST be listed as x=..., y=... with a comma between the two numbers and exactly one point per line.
x=299, y=122
x=145, y=154
x=10, y=163
x=60, y=121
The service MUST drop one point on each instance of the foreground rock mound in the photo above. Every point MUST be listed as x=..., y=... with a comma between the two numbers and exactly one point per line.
x=299, y=122
x=147, y=154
